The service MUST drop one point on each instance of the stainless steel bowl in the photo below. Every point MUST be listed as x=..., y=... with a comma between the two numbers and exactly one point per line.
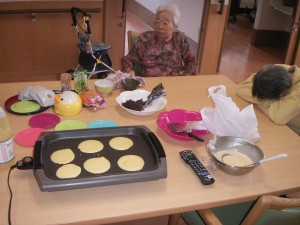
x=235, y=144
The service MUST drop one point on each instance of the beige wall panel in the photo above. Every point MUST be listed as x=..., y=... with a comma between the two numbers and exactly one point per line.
x=212, y=40
x=41, y=49
x=115, y=25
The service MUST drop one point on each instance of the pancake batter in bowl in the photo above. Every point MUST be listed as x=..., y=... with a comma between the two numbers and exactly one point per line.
x=233, y=158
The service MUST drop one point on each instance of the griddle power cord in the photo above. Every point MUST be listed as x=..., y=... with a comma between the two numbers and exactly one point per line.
x=25, y=164
x=11, y=194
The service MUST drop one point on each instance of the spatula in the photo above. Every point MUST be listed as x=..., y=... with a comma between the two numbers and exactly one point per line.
x=178, y=128
x=262, y=160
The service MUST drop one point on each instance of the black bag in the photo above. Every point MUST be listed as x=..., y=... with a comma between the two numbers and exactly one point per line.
x=87, y=61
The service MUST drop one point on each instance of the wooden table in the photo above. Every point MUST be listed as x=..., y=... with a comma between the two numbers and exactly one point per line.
x=180, y=191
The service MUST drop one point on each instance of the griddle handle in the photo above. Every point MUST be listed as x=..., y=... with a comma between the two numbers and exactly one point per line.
x=157, y=144
x=37, y=164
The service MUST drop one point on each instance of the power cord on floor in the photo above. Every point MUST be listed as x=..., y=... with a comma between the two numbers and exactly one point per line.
x=25, y=164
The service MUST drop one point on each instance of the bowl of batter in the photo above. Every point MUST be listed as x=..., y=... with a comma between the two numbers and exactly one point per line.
x=234, y=155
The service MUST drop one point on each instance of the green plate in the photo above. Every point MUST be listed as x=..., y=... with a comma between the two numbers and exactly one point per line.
x=70, y=125
x=14, y=99
x=25, y=107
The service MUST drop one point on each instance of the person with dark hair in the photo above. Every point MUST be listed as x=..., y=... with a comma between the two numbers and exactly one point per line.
x=164, y=51
x=276, y=91
x=272, y=82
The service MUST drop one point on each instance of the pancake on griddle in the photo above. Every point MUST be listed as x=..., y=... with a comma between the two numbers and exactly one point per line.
x=90, y=146
x=120, y=143
x=97, y=165
x=131, y=163
x=68, y=171
x=62, y=156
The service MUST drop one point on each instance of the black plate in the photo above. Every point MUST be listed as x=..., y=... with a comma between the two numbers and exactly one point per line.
x=9, y=102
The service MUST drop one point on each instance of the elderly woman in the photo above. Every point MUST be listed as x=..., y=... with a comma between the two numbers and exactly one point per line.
x=164, y=51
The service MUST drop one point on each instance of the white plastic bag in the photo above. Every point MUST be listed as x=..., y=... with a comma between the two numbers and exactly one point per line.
x=226, y=119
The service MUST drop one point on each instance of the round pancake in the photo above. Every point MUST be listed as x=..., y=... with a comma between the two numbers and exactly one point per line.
x=90, y=146
x=62, y=156
x=120, y=143
x=97, y=165
x=68, y=171
x=131, y=163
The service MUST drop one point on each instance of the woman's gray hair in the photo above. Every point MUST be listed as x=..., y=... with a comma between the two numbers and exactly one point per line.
x=171, y=8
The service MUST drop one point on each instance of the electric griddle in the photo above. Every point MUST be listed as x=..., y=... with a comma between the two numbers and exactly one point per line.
x=146, y=145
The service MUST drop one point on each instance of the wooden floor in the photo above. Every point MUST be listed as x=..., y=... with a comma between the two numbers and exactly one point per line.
x=239, y=58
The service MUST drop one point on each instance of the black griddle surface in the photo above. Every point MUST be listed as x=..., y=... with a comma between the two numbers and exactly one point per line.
x=142, y=146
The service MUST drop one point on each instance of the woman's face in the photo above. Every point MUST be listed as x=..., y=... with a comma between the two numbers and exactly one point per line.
x=163, y=26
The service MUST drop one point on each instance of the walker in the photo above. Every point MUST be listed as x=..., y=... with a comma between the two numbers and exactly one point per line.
x=93, y=57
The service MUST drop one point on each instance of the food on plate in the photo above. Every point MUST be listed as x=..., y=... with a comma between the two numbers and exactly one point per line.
x=120, y=143
x=233, y=158
x=139, y=105
x=131, y=163
x=134, y=105
x=68, y=171
x=90, y=146
x=97, y=165
x=62, y=156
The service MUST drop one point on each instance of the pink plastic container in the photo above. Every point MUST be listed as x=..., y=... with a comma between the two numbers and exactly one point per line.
x=180, y=116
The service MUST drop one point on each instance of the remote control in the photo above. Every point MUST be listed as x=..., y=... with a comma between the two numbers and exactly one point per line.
x=190, y=158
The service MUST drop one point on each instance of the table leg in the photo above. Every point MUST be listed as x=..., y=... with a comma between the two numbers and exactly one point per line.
x=209, y=217
x=174, y=219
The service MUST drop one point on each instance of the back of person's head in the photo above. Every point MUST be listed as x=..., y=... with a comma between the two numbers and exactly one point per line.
x=272, y=82
x=170, y=8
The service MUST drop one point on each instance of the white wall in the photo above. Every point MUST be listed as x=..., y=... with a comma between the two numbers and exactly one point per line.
x=191, y=16
x=267, y=18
